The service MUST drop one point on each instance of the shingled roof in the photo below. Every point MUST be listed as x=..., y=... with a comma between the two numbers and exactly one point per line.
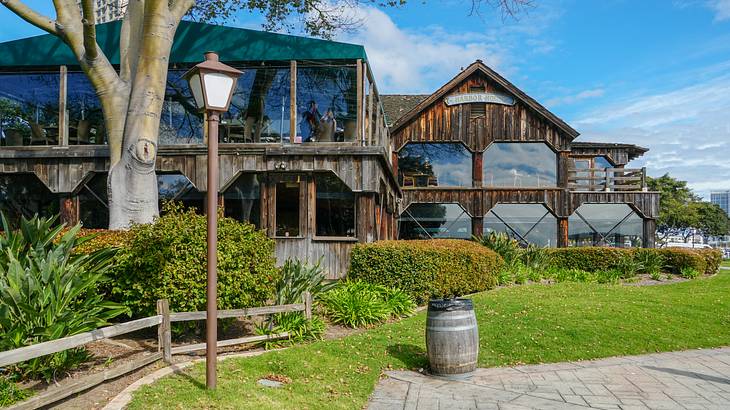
x=396, y=105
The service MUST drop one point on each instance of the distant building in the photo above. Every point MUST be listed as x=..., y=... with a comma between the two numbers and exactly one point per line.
x=721, y=199
x=108, y=10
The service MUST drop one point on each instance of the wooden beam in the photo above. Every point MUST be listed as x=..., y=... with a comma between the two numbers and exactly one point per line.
x=54, y=346
x=369, y=114
x=222, y=314
x=62, y=110
x=230, y=342
x=293, y=103
x=562, y=232
x=360, y=102
x=57, y=393
x=164, y=332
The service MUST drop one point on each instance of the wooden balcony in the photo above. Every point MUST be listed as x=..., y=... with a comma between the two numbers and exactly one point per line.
x=607, y=179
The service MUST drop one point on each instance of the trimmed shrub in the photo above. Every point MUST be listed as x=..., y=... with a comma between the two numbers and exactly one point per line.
x=427, y=268
x=167, y=259
x=673, y=260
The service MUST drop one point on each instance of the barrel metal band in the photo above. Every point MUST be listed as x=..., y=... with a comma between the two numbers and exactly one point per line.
x=467, y=316
x=450, y=329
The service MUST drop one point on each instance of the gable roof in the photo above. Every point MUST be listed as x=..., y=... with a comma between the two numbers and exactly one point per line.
x=191, y=41
x=633, y=151
x=479, y=66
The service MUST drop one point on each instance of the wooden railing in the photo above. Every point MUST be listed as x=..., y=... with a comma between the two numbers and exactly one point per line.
x=607, y=179
x=163, y=320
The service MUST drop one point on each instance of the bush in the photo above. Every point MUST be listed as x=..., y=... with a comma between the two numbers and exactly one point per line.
x=297, y=278
x=500, y=242
x=356, y=304
x=10, y=393
x=48, y=292
x=299, y=328
x=594, y=259
x=427, y=268
x=689, y=272
x=167, y=259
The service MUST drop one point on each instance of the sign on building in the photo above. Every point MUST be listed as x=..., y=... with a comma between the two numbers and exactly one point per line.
x=479, y=98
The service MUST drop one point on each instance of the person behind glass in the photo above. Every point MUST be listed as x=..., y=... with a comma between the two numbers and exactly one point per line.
x=328, y=126
x=310, y=122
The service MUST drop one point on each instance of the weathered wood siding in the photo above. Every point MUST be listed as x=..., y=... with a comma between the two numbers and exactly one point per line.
x=517, y=123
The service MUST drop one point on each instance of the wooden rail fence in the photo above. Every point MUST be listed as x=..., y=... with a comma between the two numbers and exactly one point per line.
x=607, y=179
x=163, y=320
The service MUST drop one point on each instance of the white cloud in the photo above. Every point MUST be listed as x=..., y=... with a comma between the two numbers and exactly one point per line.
x=721, y=9
x=574, y=98
x=687, y=131
x=424, y=58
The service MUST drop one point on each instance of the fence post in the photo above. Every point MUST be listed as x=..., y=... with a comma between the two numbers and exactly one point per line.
x=644, y=187
x=607, y=187
x=164, y=333
x=307, y=305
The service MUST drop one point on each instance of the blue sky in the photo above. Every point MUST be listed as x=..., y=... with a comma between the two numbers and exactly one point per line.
x=649, y=72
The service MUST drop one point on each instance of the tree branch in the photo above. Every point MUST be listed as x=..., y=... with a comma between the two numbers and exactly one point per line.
x=31, y=16
x=179, y=8
x=89, y=22
x=130, y=39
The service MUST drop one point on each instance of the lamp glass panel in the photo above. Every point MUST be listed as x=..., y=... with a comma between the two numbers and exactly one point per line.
x=197, y=87
x=218, y=87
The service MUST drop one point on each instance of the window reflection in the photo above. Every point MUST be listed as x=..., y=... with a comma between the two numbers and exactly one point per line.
x=259, y=110
x=288, y=188
x=29, y=109
x=527, y=223
x=180, y=121
x=327, y=104
x=178, y=188
x=615, y=225
x=335, y=207
x=24, y=195
x=86, y=119
x=434, y=164
x=427, y=221
x=242, y=200
x=520, y=164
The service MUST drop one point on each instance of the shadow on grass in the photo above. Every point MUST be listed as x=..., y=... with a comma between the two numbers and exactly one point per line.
x=411, y=356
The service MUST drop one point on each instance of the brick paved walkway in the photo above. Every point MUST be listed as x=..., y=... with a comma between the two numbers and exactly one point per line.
x=694, y=379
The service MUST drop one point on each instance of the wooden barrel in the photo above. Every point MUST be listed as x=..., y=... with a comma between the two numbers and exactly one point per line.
x=452, y=337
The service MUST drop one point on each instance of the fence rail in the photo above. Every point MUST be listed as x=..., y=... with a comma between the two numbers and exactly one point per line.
x=163, y=320
x=607, y=179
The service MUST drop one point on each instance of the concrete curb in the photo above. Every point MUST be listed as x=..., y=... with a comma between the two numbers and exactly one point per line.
x=125, y=396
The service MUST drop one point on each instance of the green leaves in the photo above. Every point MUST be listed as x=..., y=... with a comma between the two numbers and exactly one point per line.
x=49, y=292
x=296, y=278
x=357, y=304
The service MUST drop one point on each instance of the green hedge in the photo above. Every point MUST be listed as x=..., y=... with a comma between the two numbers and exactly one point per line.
x=427, y=268
x=593, y=259
x=167, y=259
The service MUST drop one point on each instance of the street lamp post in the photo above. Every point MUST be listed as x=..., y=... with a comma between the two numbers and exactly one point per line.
x=212, y=84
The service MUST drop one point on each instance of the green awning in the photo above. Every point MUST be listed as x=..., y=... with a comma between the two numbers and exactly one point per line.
x=191, y=41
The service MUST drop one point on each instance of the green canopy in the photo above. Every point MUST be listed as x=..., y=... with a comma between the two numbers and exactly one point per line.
x=191, y=41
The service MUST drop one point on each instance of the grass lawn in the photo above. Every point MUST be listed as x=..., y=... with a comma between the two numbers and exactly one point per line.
x=524, y=324
x=726, y=263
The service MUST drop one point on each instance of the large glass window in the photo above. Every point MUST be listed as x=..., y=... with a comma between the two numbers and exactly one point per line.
x=520, y=164
x=86, y=119
x=180, y=121
x=434, y=164
x=527, y=223
x=242, y=199
x=335, y=207
x=24, y=195
x=178, y=188
x=614, y=225
x=427, y=221
x=259, y=110
x=29, y=109
x=288, y=189
x=327, y=104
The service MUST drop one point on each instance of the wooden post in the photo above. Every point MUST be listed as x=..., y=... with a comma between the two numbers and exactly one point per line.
x=307, y=305
x=360, y=94
x=62, y=110
x=649, y=237
x=369, y=121
x=477, y=225
x=293, y=103
x=562, y=232
x=477, y=169
x=164, y=333
x=644, y=187
x=607, y=187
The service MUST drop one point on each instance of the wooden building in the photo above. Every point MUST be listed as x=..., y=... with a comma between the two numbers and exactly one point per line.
x=479, y=155
x=304, y=150
x=314, y=156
